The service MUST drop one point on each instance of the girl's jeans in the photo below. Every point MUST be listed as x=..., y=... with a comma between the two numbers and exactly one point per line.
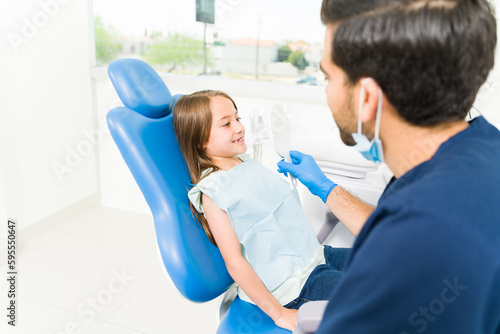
x=323, y=278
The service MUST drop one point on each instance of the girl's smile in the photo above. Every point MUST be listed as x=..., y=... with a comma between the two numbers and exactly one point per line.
x=240, y=141
x=227, y=134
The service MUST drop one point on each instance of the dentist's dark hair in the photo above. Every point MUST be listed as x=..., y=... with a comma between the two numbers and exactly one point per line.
x=192, y=124
x=430, y=57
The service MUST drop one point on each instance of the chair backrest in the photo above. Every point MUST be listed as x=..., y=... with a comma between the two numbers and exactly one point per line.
x=144, y=133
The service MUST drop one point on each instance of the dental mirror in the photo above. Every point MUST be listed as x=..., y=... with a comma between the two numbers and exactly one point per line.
x=282, y=137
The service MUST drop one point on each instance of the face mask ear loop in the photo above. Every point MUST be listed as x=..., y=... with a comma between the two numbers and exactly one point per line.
x=379, y=113
x=361, y=102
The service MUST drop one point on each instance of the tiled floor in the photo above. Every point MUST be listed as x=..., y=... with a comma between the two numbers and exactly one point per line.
x=99, y=273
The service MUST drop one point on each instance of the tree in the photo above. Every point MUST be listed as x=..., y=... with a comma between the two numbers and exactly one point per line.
x=155, y=34
x=298, y=60
x=176, y=50
x=283, y=53
x=107, y=46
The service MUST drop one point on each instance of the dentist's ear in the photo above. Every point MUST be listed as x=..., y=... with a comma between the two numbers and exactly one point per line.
x=370, y=100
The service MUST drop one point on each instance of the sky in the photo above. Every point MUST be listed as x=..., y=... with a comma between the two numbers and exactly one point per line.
x=279, y=19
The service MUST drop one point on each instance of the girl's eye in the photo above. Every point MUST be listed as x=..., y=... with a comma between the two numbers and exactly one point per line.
x=228, y=123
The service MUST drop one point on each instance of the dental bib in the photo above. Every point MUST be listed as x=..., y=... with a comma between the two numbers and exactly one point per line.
x=276, y=237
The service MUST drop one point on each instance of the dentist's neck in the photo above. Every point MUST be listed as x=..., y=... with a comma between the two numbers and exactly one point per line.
x=406, y=146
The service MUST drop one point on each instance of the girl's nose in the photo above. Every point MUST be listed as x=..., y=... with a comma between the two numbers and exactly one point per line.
x=239, y=127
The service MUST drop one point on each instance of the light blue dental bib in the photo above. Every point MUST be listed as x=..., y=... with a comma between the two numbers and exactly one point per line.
x=267, y=216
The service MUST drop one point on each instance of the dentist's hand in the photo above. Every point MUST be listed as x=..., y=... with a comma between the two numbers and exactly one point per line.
x=307, y=171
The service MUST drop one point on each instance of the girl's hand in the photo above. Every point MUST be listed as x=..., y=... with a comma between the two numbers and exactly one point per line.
x=287, y=319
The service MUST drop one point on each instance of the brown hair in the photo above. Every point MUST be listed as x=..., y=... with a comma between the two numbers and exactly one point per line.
x=192, y=124
x=429, y=57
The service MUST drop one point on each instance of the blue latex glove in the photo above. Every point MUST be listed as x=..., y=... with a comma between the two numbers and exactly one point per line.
x=307, y=171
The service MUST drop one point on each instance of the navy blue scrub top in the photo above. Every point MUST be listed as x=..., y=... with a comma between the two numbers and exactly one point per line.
x=428, y=258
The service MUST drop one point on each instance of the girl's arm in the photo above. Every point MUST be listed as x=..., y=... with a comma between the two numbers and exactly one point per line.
x=239, y=268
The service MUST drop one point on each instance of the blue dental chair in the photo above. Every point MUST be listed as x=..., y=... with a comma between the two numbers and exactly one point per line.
x=144, y=133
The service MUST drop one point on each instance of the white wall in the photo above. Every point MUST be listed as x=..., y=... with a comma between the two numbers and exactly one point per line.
x=488, y=99
x=3, y=214
x=47, y=105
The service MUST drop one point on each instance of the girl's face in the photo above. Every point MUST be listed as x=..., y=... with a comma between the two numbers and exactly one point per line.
x=227, y=134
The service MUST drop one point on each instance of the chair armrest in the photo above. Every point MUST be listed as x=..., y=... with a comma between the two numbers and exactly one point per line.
x=309, y=317
x=227, y=300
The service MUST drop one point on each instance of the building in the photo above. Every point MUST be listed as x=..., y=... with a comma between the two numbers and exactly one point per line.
x=240, y=56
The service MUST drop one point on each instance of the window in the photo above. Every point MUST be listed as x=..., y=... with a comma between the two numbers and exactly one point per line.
x=278, y=41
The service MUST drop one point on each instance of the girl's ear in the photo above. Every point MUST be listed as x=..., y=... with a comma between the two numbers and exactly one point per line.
x=369, y=112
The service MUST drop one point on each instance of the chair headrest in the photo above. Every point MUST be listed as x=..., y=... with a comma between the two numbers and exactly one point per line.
x=140, y=88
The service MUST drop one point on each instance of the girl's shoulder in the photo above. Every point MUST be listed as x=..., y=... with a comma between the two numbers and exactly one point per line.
x=205, y=185
x=208, y=177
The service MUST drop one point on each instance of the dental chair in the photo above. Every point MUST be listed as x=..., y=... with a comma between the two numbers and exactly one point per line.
x=144, y=133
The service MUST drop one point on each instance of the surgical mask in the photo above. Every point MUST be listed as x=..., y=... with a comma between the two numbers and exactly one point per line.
x=371, y=150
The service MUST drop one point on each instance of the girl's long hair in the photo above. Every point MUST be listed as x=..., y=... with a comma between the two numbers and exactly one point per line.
x=192, y=124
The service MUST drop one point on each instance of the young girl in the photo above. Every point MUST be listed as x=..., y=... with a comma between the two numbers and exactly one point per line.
x=250, y=213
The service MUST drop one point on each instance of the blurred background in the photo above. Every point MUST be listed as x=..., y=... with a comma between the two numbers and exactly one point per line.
x=58, y=161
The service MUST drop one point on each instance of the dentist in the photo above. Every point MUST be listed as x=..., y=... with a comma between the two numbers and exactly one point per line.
x=402, y=76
